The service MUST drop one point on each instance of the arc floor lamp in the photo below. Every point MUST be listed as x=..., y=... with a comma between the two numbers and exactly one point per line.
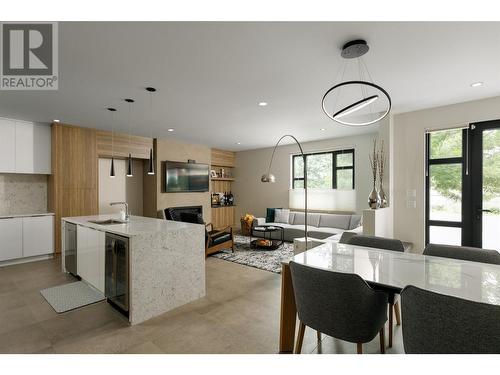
x=269, y=177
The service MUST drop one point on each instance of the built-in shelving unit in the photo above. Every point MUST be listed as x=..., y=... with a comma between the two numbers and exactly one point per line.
x=222, y=160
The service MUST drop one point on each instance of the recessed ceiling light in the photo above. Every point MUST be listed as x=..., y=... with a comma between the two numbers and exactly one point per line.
x=476, y=84
x=262, y=104
x=322, y=129
x=170, y=130
x=55, y=120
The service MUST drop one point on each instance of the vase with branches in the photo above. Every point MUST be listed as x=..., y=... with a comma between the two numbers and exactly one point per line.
x=374, y=197
x=381, y=163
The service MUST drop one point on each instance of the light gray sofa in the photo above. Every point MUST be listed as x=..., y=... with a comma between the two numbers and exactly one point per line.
x=319, y=225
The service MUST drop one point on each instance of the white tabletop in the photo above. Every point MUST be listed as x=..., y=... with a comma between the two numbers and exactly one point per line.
x=469, y=280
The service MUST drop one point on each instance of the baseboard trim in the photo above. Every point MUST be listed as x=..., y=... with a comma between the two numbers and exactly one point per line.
x=37, y=258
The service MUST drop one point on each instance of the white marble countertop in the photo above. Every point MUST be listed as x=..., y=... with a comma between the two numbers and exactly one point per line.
x=473, y=281
x=137, y=225
x=26, y=215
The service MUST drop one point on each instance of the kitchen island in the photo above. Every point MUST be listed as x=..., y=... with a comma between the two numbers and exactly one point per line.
x=165, y=262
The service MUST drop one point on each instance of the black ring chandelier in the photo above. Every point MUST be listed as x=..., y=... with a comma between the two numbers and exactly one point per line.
x=351, y=50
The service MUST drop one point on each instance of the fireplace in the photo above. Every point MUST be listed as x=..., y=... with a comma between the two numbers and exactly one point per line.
x=174, y=213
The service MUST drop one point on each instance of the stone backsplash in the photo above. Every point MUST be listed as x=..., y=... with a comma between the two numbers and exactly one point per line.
x=23, y=194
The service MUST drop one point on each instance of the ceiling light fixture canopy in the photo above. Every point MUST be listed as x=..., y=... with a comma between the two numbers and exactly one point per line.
x=357, y=102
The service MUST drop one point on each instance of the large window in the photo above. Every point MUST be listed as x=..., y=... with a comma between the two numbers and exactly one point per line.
x=325, y=170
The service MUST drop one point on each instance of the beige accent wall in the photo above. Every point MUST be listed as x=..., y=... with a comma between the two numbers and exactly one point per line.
x=120, y=188
x=253, y=196
x=167, y=149
x=23, y=194
x=409, y=162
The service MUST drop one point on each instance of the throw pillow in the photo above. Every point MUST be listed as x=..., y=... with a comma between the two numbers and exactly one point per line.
x=270, y=214
x=281, y=216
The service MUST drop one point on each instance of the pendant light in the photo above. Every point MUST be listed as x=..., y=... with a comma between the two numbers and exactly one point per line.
x=151, y=169
x=358, y=102
x=129, y=163
x=112, y=171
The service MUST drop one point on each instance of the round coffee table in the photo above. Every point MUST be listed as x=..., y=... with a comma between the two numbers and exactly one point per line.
x=263, y=235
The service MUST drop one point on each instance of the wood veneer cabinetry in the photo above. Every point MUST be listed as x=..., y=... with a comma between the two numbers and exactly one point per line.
x=222, y=158
x=223, y=217
x=139, y=146
x=73, y=185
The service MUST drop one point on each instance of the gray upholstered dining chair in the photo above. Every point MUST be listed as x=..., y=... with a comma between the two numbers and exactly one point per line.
x=377, y=242
x=473, y=254
x=346, y=236
x=340, y=305
x=434, y=323
x=385, y=244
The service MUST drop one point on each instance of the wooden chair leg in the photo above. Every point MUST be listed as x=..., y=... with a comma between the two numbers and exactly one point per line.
x=318, y=335
x=360, y=348
x=391, y=315
x=300, y=338
x=382, y=340
x=398, y=313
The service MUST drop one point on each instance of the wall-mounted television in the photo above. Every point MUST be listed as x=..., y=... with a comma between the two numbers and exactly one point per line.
x=186, y=177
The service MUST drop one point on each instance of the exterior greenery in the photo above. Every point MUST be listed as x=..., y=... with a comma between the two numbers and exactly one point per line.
x=325, y=170
x=447, y=181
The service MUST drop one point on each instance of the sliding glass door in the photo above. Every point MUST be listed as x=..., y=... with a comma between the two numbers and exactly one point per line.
x=463, y=186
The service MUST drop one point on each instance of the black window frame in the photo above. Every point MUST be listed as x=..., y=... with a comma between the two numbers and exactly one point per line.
x=461, y=160
x=335, y=168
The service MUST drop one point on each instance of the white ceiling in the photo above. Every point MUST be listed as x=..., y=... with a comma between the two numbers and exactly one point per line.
x=210, y=76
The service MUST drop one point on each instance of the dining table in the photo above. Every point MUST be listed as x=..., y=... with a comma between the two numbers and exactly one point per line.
x=391, y=271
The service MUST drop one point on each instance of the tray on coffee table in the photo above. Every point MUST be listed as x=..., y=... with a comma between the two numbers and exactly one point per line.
x=264, y=240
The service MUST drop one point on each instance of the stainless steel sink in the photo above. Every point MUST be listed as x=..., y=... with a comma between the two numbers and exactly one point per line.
x=108, y=222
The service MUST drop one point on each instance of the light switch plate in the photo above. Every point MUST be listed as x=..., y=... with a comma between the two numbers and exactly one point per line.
x=411, y=193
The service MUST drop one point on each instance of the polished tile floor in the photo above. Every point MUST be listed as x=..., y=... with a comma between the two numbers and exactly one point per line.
x=240, y=314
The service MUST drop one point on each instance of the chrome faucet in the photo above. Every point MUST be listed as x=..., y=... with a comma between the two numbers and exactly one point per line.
x=127, y=216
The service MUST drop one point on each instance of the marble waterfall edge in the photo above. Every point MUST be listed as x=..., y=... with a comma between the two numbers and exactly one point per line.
x=167, y=270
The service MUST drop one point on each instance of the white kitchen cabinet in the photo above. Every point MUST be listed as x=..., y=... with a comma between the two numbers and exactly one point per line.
x=102, y=262
x=33, y=143
x=7, y=146
x=42, y=145
x=90, y=256
x=38, y=235
x=82, y=257
x=11, y=237
x=25, y=147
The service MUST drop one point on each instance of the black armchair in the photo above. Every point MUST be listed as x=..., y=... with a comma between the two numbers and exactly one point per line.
x=217, y=240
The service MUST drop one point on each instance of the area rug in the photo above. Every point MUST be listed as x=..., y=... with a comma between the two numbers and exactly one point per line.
x=71, y=296
x=268, y=260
